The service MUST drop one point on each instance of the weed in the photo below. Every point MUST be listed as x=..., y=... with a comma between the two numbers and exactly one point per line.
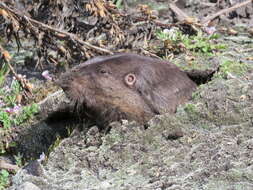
x=191, y=111
x=10, y=100
x=10, y=96
x=118, y=3
x=190, y=108
x=3, y=72
x=228, y=66
x=5, y=121
x=2, y=150
x=195, y=95
x=26, y=114
x=174, y=39
x=4, y=181
x=15, y=87
x=54, y=144
x=18, y=159
x=203, y=44
x=10, y=113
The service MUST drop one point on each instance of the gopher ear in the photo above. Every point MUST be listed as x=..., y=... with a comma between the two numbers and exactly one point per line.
x=130, y=79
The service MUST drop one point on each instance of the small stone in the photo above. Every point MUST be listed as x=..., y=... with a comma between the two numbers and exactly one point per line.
x=28, y=186
x=34, y=168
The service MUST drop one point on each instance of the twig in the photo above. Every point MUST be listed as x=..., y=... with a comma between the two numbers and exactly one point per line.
x=223, y=11
x=149, y=53
x=70, y=35
x=4, y=55
x=180, y=14
x=156, y=22
x=22, y=81
x=7, y=166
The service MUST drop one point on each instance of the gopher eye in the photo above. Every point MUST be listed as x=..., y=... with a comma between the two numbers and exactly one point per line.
x=130, y=79
x=102, y=71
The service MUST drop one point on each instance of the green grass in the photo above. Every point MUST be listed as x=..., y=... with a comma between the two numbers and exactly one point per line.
x=200, y=43
x=4, y=69
x=26, y=114
x=230, y=67
x=4, y=178
x=5, y=120
x=9, y=102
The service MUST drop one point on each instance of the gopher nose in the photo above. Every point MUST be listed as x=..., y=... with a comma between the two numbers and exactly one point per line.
x=64, y=87
x=64, y=84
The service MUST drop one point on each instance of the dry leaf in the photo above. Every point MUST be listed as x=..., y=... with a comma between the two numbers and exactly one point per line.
x=232, y=31
x=6, y=56
x=249, y=58
x=3, y=13
x=29, y=86
x=18, y=98
x=251, y=31
x=190, y=20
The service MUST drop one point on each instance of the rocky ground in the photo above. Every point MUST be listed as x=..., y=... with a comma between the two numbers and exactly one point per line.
x=207, y=144
x=214, y=152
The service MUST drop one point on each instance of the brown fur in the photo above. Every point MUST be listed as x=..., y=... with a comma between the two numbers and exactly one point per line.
x=98, y=87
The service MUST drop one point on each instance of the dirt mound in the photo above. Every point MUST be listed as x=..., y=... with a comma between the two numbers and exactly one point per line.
x=214, y=153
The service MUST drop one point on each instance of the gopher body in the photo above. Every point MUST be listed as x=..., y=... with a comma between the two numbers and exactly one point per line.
x=126, y=86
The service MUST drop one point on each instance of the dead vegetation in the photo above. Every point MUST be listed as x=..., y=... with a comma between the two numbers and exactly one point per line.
x=79, y=29
x=73, y=31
